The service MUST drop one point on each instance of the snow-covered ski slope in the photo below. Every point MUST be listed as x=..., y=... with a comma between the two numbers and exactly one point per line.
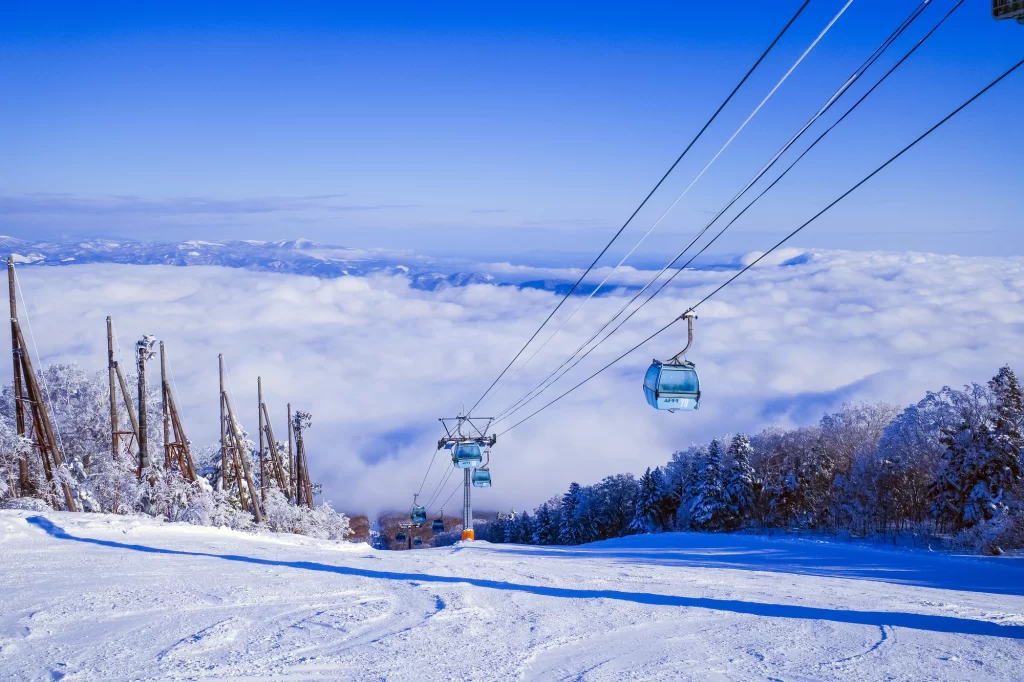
x=89, y=597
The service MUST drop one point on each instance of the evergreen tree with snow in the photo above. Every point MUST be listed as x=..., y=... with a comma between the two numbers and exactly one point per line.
x=709, y=510
x=958, y=499
x=982, y=462
x=668, y=499
x=689, y=485
x=497, y=529
x=962, y=494
x=1008, y=402
x=510, y=526
x=739, y=482
x=545, y=526
x=1003, y=468
x=647, y=512
x=522, y=532
x=570, y=530
x=612, y=503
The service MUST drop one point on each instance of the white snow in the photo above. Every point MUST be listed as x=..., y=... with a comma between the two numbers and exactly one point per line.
x=86, y=597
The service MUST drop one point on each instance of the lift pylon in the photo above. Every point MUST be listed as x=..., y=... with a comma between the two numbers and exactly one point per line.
x=29, y=395
x=1008, y=9
x=177, y=448
x=462, y=431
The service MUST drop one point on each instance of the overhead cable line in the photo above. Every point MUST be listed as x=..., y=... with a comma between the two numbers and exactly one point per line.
x=545, y=383
x=429, y=466
x=686, y=190
x=548, y=381
x=445, y=475
x=440, y=486
x=782, y=241
x=644, y=202
x=664, y=284
x=454, y=490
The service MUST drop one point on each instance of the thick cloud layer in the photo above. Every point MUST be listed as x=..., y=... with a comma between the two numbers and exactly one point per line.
x=377, y=362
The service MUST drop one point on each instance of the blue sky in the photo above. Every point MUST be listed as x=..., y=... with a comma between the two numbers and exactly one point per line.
x=523, y=130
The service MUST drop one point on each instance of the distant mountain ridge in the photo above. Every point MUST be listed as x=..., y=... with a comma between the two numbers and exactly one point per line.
x=298, y=257
x=304, y=257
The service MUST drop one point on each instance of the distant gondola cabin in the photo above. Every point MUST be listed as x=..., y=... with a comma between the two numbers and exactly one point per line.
x=481, y=478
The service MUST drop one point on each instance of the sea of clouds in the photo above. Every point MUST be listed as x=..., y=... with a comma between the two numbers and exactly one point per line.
x=377, y=361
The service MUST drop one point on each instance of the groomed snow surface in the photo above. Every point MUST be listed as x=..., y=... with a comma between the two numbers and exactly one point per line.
x=90, y=597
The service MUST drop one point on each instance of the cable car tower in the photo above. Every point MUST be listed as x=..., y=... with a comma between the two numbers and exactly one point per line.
x=466, y=437
x=1008, y=9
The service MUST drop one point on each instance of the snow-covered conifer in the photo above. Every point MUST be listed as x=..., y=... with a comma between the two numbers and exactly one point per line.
x=709, y=509
x=646, y=514
x=739, y=482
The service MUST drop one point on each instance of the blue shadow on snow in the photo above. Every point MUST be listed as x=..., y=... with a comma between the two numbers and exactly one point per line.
x=803, y=556
x=964, y=626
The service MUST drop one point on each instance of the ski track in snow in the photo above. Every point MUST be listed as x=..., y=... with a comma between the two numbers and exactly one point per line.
x=89, y=597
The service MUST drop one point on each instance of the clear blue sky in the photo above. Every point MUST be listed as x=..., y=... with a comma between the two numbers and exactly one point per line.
x=511, y=129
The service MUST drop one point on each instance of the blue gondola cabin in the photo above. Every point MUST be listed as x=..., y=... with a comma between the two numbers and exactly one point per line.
x=672, y=386
x=481, y=478
x=467, y=455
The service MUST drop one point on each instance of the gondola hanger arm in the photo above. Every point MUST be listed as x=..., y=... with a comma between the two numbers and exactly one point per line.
x=689, y=316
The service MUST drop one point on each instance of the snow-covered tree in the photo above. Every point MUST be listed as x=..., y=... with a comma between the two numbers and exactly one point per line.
x=1002, y=469
x=982, y=460
x=14, y=449
x=739, y=482
x=321, y=522
x=1008, y=403
x=546, y=523
x=498, y=528
x=570, y=530
x=682, y=472
x=708, y=511
x=959, y=501
x=521, y=530
x=614, y=502
x=578, y=524
x=647, y=513
x=510, y=526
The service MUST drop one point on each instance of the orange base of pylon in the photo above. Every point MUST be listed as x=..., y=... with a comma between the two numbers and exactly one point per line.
x=468, y=535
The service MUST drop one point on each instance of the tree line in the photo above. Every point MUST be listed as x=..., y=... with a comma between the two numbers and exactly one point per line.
x=948, y=467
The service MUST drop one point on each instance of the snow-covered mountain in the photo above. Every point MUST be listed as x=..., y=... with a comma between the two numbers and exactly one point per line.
x=304, y=257
x=300, y=256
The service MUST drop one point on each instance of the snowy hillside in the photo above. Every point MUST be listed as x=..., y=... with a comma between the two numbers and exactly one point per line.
x=85, y=597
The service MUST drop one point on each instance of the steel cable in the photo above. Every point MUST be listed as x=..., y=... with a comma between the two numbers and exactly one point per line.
x=783, y=240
